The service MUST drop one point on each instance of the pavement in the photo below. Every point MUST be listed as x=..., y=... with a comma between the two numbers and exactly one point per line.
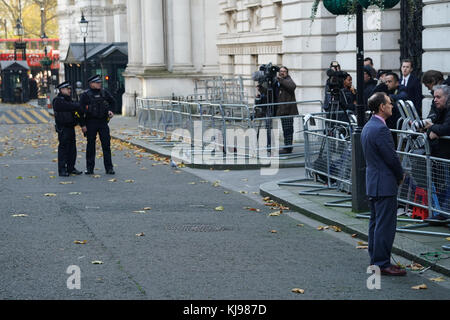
x=284, y=185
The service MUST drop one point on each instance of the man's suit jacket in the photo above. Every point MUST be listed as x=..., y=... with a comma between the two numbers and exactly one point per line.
x=414, y=90
x=383, y=168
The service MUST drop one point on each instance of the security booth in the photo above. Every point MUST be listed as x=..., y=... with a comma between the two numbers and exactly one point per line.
x=15, y=86
x=106, y=59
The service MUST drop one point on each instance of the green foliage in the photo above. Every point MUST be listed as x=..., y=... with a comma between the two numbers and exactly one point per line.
x=348, y=7
x=34, y=22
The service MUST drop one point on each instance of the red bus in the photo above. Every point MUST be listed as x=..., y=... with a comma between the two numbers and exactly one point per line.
x=34, y=52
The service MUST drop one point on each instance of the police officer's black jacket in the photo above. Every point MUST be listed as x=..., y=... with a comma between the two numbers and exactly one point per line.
x=97, y=103
x=67, y=112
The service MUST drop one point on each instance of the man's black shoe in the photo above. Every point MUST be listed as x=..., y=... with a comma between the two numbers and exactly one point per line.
x=89, y=172
x=76, y=172
x=110, y=171
x=64, y=174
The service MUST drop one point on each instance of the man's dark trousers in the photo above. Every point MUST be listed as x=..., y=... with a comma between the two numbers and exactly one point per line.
x=67, y=150
x=382, y=227
x=101, y=126
x=288, y=132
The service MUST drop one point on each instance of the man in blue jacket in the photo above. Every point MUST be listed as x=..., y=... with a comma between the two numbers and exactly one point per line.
x=384, y=174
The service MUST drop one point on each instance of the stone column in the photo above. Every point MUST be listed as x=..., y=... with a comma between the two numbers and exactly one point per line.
x=120, y=21
x=182, y=35
x=152, y=34
x=135, y=33
x=135, y=51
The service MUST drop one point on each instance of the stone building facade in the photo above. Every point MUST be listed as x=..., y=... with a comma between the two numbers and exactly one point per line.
x=107, y=22
x=171, y=43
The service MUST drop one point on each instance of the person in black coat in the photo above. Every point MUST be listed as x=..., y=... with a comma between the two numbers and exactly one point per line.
x=412, y=84
x=430, y=79
x=67, y=116
x=98, y=106
x=369, y=83
x=441, y=125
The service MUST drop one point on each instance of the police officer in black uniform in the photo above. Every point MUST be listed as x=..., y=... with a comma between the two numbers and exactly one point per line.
x=98, y=105
x=67, y=116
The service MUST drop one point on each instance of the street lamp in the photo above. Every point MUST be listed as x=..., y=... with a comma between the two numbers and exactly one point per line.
x=19, y=44
x=46, y=62
x=84, y=32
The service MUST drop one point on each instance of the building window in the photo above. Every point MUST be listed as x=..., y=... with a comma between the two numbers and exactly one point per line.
x=254, y=18
x=278, y=11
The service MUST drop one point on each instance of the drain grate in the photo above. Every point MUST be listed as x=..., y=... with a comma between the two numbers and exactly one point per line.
x=197, y=228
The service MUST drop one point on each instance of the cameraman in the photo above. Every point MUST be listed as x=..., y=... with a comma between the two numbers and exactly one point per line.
x=340, y=95
x=335, y=67
x=286, y=94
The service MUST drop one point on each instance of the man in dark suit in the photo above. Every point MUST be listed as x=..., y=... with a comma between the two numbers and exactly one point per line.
x=384, y=174
x=412, y=84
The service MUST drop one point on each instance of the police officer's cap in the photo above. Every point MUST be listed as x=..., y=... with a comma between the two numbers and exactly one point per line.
x=95, y=78
x=65, y=84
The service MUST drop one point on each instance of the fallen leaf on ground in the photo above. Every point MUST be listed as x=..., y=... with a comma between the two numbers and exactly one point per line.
x=19, y=215
x=80, y=241
x=438, y=279
x=252, y=209
x=147, y=208
x=273, y=231
x=140, y=234
x=354, y=235
x=226, y=192
x=66, y=182
x=243, y=192
x=50, y=194
x=362, y=243
x=19, y=178
x=192, y=183
x=219, y=208
x=447, y=238
x=298, y=290
x=112, y=180
x=300, y=225
x=129, y=181
x=362, y=247
x=415, y=266
x=266, y=198
x=336, y=228
x=275, y=214
x=419, y=287
x=96, y=176
x=139, y=211
x=74, y=193
x=97, y=262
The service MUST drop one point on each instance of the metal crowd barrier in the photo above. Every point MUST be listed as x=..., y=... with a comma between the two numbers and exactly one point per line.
x=220, y=90
x=217, y=128
x=426, y=188
x=328, y=152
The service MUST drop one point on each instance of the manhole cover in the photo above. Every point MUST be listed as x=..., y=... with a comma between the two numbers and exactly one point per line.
x=196, y=228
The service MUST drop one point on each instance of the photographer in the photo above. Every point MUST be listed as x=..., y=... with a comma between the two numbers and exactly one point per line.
x=286, y=94
x=268, y=93
x=339, y=95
